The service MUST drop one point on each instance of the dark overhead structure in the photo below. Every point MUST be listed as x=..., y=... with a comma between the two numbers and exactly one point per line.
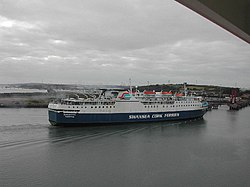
x=232, y=15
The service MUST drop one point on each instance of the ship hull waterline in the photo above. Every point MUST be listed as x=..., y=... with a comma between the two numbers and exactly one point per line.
x=68, y=119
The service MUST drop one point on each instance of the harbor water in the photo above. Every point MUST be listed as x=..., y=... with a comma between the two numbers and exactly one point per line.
x=213, y=151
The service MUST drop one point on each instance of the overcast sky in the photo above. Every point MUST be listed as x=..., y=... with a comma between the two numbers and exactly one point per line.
x=110, y=41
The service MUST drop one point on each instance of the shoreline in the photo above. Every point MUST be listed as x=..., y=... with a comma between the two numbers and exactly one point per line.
x=24, y=101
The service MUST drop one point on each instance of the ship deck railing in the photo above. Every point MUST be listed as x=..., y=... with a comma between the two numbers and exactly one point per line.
x=84, y=102
x=156, y=102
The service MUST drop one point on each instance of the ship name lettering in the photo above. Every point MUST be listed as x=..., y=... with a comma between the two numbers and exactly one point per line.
x=171, y=115
x=69, y=115
x=139, y=116
x=157, y=116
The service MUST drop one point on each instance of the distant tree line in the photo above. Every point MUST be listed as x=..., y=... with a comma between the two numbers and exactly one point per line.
x=220, y=90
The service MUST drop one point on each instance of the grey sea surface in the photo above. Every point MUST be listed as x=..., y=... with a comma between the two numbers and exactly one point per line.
x=214, y=151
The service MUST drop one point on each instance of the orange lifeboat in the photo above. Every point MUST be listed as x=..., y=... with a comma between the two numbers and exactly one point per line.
x=178, y=94
x=149, y=93
x=166, y=93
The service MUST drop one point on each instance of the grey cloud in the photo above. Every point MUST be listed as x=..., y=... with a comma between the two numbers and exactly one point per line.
x=81, y=41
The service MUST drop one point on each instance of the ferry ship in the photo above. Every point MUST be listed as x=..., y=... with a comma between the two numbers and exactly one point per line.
x=115, y=106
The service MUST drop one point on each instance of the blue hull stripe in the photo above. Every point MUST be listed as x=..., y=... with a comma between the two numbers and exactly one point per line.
x=86, y=118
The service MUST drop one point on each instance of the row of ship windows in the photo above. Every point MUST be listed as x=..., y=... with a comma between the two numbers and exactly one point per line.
x=88, y=103
x=156, y=106
x=92, y=107
x=186, y=102
x=169, y=102
x=151, y=106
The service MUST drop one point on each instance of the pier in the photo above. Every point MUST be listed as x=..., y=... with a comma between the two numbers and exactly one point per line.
x=233, y=102
x=214, y=103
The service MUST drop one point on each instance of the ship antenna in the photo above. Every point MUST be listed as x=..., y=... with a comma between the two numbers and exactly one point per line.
x=130, y=87
x=185, y=89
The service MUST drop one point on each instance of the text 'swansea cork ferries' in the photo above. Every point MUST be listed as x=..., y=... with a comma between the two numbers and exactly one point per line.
x=116, y=106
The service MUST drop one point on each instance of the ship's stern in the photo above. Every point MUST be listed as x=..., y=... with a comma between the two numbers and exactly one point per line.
x=52, y=113
x=52, y=117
